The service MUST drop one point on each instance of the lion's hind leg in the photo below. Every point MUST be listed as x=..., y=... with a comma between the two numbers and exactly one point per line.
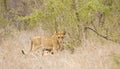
x=48, y=51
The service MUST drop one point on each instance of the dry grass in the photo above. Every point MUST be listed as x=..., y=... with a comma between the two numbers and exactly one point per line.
x=92, y=56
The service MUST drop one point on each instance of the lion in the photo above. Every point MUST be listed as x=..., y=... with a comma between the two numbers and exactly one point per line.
x=47, y=43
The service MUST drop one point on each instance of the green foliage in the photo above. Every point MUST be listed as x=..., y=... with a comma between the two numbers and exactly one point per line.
x=116, y=60
x=3, y=22
x=31, y=20
x=54, y=10
x=88, y=9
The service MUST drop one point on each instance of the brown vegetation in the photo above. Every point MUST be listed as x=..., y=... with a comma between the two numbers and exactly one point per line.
x=94, y=55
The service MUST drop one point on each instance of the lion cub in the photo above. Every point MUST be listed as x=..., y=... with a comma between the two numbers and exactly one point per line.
x=47, y=43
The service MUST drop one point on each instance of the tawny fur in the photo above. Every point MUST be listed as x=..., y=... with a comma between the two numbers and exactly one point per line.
x=51, y=43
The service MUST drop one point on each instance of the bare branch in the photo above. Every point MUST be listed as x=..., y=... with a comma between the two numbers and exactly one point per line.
x=103, y=36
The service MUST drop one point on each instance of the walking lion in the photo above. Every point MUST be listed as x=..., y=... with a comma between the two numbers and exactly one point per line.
x=47, y=43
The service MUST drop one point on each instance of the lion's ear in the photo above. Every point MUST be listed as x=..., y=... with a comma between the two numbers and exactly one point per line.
x=55, y=32
x=64, y=32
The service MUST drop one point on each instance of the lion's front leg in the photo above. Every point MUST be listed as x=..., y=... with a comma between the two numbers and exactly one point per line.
x=55, y=48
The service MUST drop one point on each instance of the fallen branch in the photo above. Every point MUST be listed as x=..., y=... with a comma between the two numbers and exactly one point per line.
x=103, y=36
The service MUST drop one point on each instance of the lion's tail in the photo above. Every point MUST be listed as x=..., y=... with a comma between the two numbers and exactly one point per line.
x=31, y=45
x=23, y=52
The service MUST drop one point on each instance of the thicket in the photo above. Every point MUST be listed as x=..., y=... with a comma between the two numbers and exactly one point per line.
x=79, y=18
